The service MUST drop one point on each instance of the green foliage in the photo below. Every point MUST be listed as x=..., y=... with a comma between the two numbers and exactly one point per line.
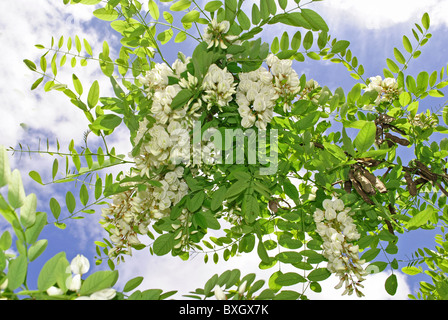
x=273, y=215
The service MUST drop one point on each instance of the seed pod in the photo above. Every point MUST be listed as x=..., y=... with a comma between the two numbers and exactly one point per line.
x=358, y=188
x=396, y=139
x=391, y=209
x=273, y=206
x=425, y=172
x=411, y=184
x=364, y=182
x=420, y=181
x=348, y=186
x=390, y=228
x=377, y=183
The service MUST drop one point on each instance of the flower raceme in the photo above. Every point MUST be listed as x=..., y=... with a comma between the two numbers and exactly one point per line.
x=215, y=34
x=336, y=227
x=387, y=90
x=164, y=135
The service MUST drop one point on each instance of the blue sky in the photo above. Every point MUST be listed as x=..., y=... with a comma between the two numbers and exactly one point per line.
x=373, y=28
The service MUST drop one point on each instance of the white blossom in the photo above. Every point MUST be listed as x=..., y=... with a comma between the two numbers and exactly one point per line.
x=54, y=291
x=337, y=229
x=79, y=265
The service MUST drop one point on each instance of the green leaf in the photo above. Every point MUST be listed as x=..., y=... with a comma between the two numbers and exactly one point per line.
x=399, y=56
x=290, y=190
x=314, y=19
x=37, y=249
x=132, y=284
x=54, y=169
x=84, y=195
x=16, y=192
x=287, y=295
x=243, y=20
x=371, y=254
x=107, y=122
x=5, y=241
x=212, y=6
x=206, y=220
x=77, y=84
x=53, y=269
x=420, y=218
x=5, y=170
x=289, y=279
x=412, y=271
x=163, y=244
x=426, y=21
x=308, y=40
x=236, y=188
x=195, y=203
x=319, y=274
x=218, y=198
x=190, y=17
x=30, y=64
x=28, y=211
x=180, y=5
x=17, y=272
x=284, y=41
x=106, y=14
x=94, y=95
x=98, y=281
x=32, y=233
x=256, y=17
x=366, y=137
x=35, y=176
x=392, y=66
x=407, y=44
x=275, y=45
x=181, y=99
x=296, y=40
x=153, y=9
x=70, y=201
x=55, y=208
x=340, y=46
x=391, y=284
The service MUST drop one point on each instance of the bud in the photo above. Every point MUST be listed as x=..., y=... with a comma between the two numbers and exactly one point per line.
x=219, y=294
x=242, y=288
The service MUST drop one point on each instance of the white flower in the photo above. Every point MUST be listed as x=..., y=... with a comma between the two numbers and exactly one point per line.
x=318, y=215
x=54, y=291
x=219, y=294
x=80, y=265
x=327, y=203
x=74, y=283
x=105, y=294
x=338, y=204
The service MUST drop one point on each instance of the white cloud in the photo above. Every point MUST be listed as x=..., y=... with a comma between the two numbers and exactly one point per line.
x=381, y=14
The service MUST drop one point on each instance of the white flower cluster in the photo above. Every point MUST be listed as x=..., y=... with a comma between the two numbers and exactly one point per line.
x=387, y=90
x=286, y=79
x=219, y=87
x=215, y=34
x=424, y=120
x=256, y=98
x=165, y=143
x=131, y=211
x=336, y=228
